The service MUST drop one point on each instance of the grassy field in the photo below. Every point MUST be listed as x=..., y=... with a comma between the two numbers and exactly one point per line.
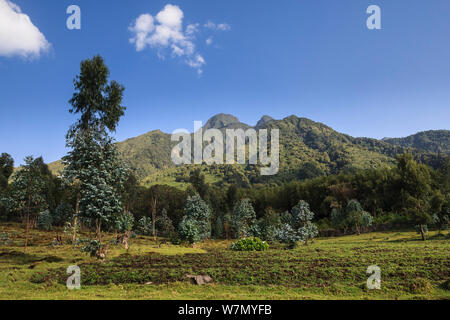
x=331, y=268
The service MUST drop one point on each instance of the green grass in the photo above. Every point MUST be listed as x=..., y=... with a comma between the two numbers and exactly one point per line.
x=332, y=268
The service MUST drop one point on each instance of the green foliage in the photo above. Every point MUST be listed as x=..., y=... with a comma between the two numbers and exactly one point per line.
x=6, y=169
x=45, y=220
x=124, y=222
x=196, y=223
x=266, y=227
x=97, y=100
x=356, y=216
x=91, y=247
x=28, y=186
x=94, y=162
x=437, y=141
x=243, y=218
x=63, y=213
x=301, y=214
x=250, y=244
x=144, y=226
x=287, y=234
x=189, y=231
x=164, y=225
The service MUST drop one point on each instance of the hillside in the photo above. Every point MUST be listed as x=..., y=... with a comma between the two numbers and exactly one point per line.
x=437, y=141
x=307, y=149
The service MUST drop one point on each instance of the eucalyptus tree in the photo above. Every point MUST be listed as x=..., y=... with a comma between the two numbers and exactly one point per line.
x=93, y=160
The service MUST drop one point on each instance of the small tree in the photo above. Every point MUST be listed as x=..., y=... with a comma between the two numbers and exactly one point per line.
x=124, y=224
x=301, y=218
x=196, y=223
x=45, y=220
x=300, y=227
x=243, y=218
x=356, y=216
x=144, y=226
x=27, y=191
x=440, y=207
x=164, y=224
x=417, y=211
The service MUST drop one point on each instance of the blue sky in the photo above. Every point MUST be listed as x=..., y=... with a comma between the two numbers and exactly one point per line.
x=311, y=58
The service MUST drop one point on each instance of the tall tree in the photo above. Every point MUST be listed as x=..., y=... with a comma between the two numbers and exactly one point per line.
x=94, y=159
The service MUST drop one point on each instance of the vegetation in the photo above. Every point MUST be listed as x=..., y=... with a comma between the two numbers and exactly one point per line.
x=250, y=244
x=330, y=268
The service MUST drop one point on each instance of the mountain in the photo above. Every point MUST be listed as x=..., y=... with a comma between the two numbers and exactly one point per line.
x=224, y=121
x=307, y=149
x=264, y=120
x=437, y=141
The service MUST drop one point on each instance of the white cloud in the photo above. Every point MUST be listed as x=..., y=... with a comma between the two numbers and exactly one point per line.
x=18, y=35
x=221, y=26
x=209, y=41
x=164, y=32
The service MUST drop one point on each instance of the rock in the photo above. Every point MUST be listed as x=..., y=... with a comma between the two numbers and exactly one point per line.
x=199, y=280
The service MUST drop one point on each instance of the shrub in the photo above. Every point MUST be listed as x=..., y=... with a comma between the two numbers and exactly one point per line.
x=92, y=247
x=144, y=226
x=286, y=234
x=196, y=223
x=243, y=218
x=164, y=224
x=188, y=231
x=250, y=244
x=125, y=222
x=45, y=220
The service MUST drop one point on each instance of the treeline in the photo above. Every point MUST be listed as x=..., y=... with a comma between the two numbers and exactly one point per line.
x=408, y=195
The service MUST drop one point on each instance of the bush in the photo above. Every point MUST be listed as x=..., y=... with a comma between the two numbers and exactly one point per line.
x=250, y=244
x=164, y=224
x=188, y=231
x=144, y=226
x=45, y=220
x=285, y=234
x=125, y=222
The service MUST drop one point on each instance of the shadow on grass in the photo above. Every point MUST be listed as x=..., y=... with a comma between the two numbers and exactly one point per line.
x=18, y=257
x=438, y=236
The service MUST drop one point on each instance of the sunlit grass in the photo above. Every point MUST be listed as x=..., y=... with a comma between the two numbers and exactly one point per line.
x=331, y=268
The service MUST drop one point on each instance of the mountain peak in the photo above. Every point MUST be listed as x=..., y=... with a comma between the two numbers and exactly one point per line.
x=264, y=120
x=221, y=121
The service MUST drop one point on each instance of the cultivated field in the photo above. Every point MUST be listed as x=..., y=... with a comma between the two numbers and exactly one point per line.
x=331, y=268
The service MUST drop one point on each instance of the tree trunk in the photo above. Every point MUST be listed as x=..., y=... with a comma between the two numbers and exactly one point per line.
x=422, y=233
x=28, y=218
x=358, y=230
x=75, y=220
x=154, y=218
x=98, y=224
